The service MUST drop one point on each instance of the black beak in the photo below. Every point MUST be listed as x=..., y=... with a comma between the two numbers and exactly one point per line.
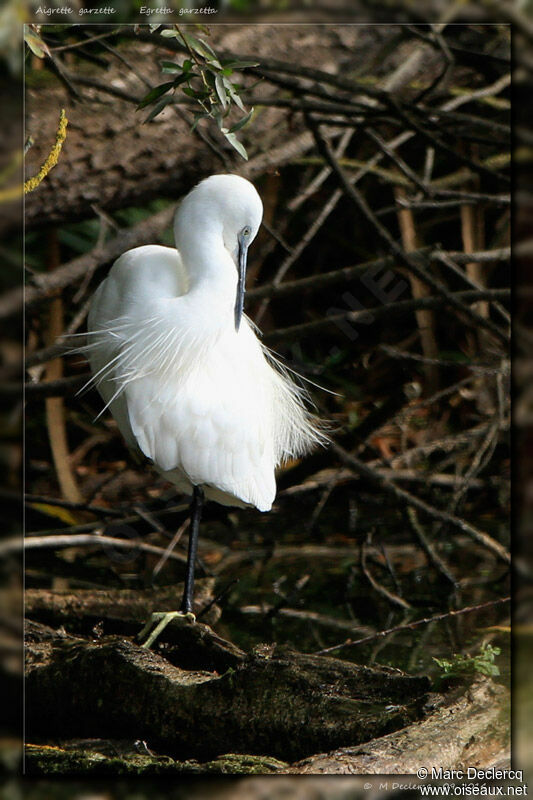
x=241, y=268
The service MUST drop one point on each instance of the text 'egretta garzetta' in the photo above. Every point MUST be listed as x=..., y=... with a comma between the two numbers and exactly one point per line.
x=181, y=369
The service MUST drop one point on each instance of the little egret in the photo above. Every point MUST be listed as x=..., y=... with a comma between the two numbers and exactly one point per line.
x=183, y=373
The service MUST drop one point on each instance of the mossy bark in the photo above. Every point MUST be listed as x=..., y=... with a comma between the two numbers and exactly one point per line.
x=275, y=702
x=86, y=759
x=469, y=729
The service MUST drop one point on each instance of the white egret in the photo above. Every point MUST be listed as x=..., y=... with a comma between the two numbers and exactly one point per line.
x=182, y=371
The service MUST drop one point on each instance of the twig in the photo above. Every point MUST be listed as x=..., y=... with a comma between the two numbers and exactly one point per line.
x=56, y=388
x=272, y=65
x=441, y=479
x=306, y=616
x=445, y=259
x=54, y=407
x=425, y=318
x=408, y=626
x=121, y=57
x=33, y=499
x=127, y=518
x=448, y=444
x=481, y=457
x=487, y=91
x=53, y=157
x=170, y=547
x=395, y=599
x=332, y=108
x=148, y=517
x=319, y=179
x=406, y=498
x=324, y=279
x=289, y=260
x=50, y=163
x=46, y=354
x=57, y=68
x=400, y=307
x=284, y=600
x=107, y=88
x=428, y=548
x=393, y=352
x=436, y=142
x=330, y=485
x=399, y=162
x=383, y=233
x=456, y=197
x=16, y=543
x=85, y=41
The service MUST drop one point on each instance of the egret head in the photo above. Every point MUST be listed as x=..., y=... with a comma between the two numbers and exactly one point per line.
x=231, y=208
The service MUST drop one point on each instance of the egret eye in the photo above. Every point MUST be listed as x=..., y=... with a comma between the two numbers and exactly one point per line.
x=246, y=231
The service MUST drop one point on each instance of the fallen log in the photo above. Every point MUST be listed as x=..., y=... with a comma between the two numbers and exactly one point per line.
x=275, y=702
x=98, y=612
x=470, y=731
x=120, y=610
x=85, y=758
x=202, y=705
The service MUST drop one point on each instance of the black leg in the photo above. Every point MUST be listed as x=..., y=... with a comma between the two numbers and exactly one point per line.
x=196, y=513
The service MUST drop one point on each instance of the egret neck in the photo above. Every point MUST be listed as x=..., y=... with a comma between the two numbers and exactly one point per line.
x=213, y=275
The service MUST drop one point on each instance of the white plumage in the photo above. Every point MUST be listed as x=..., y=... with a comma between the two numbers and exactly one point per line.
x=192, y=389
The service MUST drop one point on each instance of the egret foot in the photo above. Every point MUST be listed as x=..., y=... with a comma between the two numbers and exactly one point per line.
x=158, y=622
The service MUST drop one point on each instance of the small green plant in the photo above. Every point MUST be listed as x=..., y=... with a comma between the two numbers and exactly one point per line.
x=204, y=78
x=462, y=666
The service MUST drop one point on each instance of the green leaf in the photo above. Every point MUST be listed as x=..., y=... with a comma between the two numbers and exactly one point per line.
x=234, y=142
x=197, y=118
x=233, y=94
x=154, y=93
x=158, y=108
x=181, y=79
x=35, y=43
x=170, y=66
x=210, y=76
x=221, y=91
x=241, y=123
x=491, y=670
x=169, y=32
x=154, y=26
x=202, y=48
x=239, y=64
x=197, y=94
x=187, y=65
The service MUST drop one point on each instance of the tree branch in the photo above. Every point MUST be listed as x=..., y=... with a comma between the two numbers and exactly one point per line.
x=385, y=236
x=408, y=499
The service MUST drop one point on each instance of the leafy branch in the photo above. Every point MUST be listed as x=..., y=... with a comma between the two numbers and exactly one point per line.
x=206, y=79
x=461, y=665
